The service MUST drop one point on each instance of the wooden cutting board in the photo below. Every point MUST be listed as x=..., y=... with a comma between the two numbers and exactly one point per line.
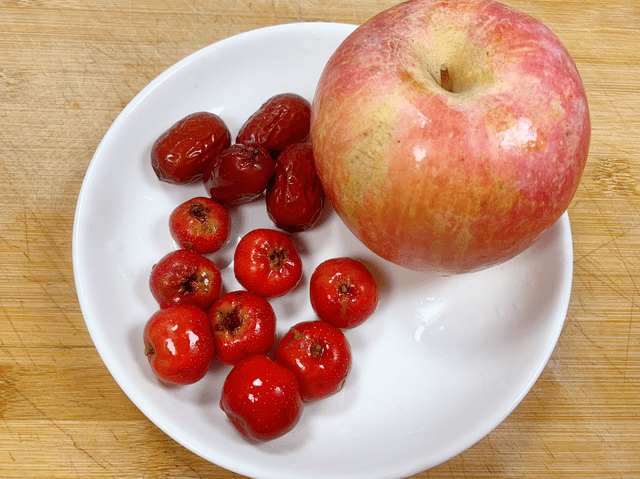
x=67, y=69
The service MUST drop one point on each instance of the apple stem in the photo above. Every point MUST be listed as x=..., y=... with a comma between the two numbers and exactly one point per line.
x=445, y=79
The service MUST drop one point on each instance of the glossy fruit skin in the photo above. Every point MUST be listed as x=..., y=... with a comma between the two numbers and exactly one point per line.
x=343, y=292
x=449, y=182
x=180, y=154
x=179, y=344
x=261, y=398
x=185, y=277
x=319, y=355
x=280, y=121
x=200, y=224
x=239, y=174
x=243, y=324
x=266, y=263
x=295, y=199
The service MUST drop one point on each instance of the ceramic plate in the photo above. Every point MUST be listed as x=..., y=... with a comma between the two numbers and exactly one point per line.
x=441, y=363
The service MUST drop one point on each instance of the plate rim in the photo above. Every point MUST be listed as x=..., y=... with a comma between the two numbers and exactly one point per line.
x=563, y=222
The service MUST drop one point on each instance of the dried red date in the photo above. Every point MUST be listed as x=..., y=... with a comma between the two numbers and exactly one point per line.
x=181, y=153
x=239, y=174
x=295, y=198
x=280, y=121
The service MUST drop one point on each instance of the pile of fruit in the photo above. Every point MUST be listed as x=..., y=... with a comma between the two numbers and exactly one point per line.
x=271, y=378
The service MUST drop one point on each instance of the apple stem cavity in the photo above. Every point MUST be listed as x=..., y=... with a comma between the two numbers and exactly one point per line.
x=445, y=79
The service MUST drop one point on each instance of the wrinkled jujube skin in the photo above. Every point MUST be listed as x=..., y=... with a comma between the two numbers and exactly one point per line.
x=280, y=121
x=239, y=174
x=295, y=198
x=180, y=154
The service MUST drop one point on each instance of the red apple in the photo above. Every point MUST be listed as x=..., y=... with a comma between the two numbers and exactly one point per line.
x=243, y=324
x=319, y=355
x=178, y=344
x=185, y=277
x=343, y=292
x=448, y=135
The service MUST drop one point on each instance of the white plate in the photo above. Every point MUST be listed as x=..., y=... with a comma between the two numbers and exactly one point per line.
x=441, y=363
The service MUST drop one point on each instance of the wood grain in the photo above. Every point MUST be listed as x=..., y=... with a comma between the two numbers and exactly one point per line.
x=67, y=68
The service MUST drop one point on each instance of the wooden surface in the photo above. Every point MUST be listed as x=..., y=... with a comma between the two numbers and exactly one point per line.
x=66, y=71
